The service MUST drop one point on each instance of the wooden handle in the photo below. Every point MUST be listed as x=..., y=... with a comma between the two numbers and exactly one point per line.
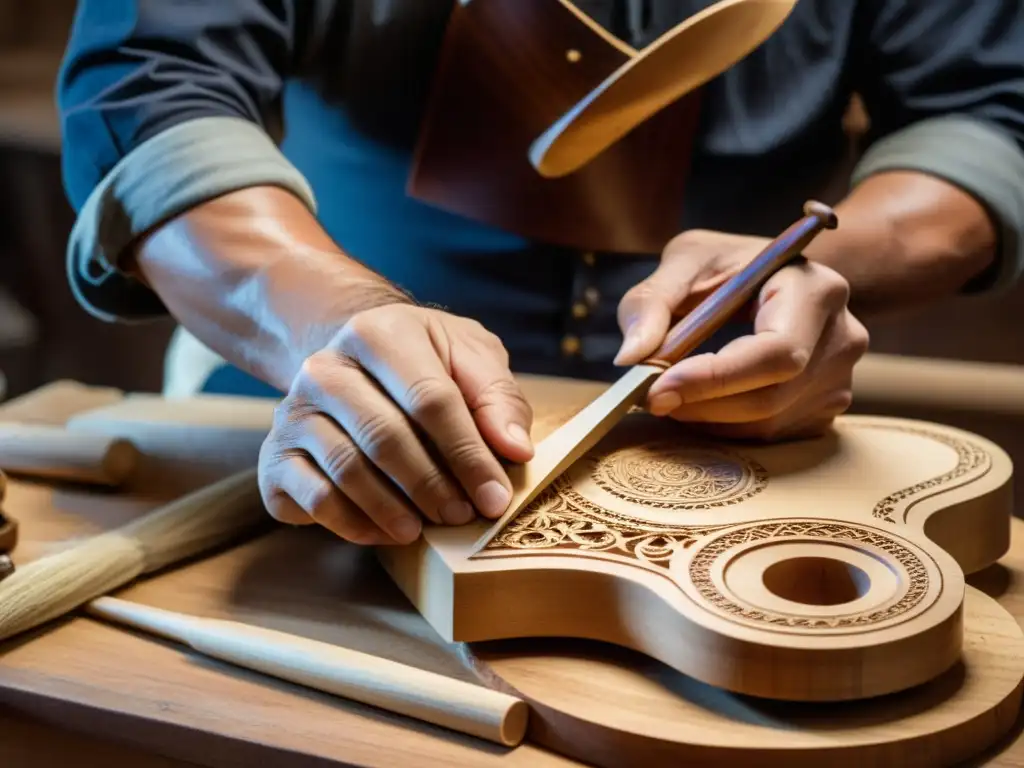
x=372, y=680
x=37, y=450
x=712, y=313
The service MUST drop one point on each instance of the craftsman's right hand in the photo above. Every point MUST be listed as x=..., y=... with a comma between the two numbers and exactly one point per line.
x=398, y=418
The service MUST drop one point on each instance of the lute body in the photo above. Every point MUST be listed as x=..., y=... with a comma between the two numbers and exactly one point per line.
x=817, y=570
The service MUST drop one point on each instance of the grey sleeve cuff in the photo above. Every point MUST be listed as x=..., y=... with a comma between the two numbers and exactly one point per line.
x=177, y=169
x=977, y=157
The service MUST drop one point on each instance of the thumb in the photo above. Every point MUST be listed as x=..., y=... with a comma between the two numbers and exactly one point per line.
x=645, y=312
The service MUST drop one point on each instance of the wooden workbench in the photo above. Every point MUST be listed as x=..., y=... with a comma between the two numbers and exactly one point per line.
x=88, y=694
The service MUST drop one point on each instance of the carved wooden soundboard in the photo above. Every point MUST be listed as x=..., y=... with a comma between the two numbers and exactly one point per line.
x=820, y=570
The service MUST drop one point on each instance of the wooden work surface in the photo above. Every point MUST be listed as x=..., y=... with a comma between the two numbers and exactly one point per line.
x=103, y=696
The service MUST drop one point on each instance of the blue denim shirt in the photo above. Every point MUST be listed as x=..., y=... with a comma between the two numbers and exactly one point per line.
x=770, y=136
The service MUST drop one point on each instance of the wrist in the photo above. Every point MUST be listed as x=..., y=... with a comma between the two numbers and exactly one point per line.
x=254, y=277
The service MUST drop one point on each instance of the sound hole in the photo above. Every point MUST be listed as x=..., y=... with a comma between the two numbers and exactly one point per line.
x=816, y=581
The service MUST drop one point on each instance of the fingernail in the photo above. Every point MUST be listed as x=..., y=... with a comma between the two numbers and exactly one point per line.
x=491, y=498
x=625, y=351
x=457, y=513
x=405, y=529
x=520, y=435
x=630, y=344
x=665, y=403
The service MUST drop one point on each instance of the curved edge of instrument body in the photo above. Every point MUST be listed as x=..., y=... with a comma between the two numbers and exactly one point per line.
x=951, y=724
x=969, y=519
x=469, y=599
x=565, y=597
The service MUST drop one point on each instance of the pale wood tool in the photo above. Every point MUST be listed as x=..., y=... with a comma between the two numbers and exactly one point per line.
x=194, y=524
x=54, y=453
x=827, y=569
x=560, y=449
x=427, y=696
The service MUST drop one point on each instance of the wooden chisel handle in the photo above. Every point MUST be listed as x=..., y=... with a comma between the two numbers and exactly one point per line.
x=373, y=680
x=36, y=450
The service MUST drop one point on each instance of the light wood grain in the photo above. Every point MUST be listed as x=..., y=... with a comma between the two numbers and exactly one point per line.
x=27, y=742
x=708, y=572
x=83, y=676
x=611, y=709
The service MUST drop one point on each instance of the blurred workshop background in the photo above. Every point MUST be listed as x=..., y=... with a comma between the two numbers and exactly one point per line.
x=44, y=335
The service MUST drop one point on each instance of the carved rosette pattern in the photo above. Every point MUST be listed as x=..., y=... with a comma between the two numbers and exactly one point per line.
x=662, y=475
x=970, y=457
x=915, y=572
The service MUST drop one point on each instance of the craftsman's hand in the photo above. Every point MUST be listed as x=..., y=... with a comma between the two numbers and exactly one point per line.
x=789, y=379
x=398, y=418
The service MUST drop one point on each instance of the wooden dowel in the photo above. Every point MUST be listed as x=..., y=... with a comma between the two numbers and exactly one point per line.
x=957, y=385
x=36, y=450
x=379, y=682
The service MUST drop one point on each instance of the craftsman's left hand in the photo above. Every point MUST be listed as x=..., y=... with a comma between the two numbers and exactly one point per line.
x=789, y=379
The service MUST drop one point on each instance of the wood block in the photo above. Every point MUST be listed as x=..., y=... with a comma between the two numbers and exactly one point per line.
x=820, y=570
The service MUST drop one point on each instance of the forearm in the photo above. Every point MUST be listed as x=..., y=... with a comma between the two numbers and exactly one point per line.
x=936, y=209
x=254, y=277
x=171, y=123
x=907, y=237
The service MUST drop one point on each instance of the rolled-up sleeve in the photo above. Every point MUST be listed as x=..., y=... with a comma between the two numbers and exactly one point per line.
x=165, y=104
x=943, y=83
